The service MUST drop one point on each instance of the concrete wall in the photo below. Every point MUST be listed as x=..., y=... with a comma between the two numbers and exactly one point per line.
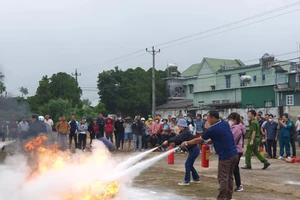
x=233, y=95
x=176, y=112
x=206, y=78
x=244, y=112
x=294, y=111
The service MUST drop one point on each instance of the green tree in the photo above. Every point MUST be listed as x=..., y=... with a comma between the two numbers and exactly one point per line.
x=100, y=108
x=129, y=92
x=56, y=108
x=2, y=85
x=86, y=102
x=59, y=86
x=24, y=91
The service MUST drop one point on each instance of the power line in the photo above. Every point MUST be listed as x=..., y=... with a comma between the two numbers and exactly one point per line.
x=115, y=62
x=234, y=62
x=232, y=23
x=245, y=71
x=220, y=32
x=210, y=30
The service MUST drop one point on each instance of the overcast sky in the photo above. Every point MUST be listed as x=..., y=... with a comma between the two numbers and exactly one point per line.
x=44, y=37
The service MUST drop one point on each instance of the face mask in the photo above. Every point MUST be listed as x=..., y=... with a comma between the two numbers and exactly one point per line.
x=189, y=120
x=270, y=120
x=156, y=121
x=230, y=123
x=205, y=118
x=119, y=119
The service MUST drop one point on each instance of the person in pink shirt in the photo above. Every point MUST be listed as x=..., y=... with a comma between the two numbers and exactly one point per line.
x=109, y=129
x=238, y=130
x=155, y=136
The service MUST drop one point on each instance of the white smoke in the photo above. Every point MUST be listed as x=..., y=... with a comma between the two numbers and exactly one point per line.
x=54, y=184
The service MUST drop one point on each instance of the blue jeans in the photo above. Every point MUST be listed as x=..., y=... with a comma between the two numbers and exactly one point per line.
x=62, y=141
x=189, y=165
x=137, y=139
x=284, y=142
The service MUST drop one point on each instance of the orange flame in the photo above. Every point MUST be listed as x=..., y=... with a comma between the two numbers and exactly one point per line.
x=50, y=158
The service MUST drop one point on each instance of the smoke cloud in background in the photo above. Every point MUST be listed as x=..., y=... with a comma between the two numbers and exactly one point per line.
x=54, y=184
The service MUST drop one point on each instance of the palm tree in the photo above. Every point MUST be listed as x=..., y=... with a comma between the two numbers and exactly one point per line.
x=2, y=86
x=86, y=102
x=24, y=91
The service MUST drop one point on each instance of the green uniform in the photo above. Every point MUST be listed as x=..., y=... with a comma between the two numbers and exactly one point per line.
x=254, y=126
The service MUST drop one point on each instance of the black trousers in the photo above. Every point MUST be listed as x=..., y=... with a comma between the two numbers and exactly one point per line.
x=293, y=146
x=92, y=136
x=71, y=136
x=119, y=138
x=100, y=134
x=145, y=141
x=272, y=148
x=82, y=141
x=236, y=172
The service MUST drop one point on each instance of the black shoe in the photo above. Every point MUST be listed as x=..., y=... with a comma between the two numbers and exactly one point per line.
x=239, y=189
x=246, y=167
x=266, y=165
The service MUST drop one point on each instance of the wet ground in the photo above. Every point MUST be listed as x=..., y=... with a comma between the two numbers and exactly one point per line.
x=258, y=184
x=280, y=181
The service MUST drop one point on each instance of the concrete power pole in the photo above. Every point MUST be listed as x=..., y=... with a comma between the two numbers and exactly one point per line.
x=76, y=75
x=153, y=53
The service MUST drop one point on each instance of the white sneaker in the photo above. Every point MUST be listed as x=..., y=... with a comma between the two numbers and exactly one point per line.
x=280, y=158
x=288, y=157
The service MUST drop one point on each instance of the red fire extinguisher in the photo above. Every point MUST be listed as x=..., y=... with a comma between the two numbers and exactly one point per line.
x=171, y=156
x=205, y=156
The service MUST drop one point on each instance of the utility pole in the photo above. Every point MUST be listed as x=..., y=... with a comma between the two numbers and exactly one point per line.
x=76, y=75
x=298, y=65
x=153, y=53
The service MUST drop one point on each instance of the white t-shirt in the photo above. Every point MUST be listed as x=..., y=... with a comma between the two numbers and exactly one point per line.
x=50, y=121
x=298, y=125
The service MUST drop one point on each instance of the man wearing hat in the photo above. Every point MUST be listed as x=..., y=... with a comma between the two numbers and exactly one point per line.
x=193, y=150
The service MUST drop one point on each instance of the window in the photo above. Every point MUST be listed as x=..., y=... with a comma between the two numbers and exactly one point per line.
x=254, y=78
x=289, y=100
x=263, y=77
x=268, y=104
x=213, y=87
x=191, y=89
x=225, y=101
x=216, y=101
x=227, y=81
x=297, y=78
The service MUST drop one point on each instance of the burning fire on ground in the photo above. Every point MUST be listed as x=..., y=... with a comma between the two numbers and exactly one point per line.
x=49, y=158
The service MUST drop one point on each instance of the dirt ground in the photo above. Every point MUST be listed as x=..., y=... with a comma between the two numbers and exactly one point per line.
x=258, y=184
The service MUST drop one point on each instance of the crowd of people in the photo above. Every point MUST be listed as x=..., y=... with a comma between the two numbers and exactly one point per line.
x=226, y=135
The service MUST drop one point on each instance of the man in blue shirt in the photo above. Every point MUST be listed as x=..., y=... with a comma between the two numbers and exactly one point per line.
x=271, y=134
x=220, y=134
x=285, y=125
x=199, y=127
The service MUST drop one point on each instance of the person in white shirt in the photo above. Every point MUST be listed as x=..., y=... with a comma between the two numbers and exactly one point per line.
x=297, y=126
x=48, y=120
x=23, y=128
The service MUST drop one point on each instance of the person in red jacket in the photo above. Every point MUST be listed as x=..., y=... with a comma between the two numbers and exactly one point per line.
x=109, y=129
